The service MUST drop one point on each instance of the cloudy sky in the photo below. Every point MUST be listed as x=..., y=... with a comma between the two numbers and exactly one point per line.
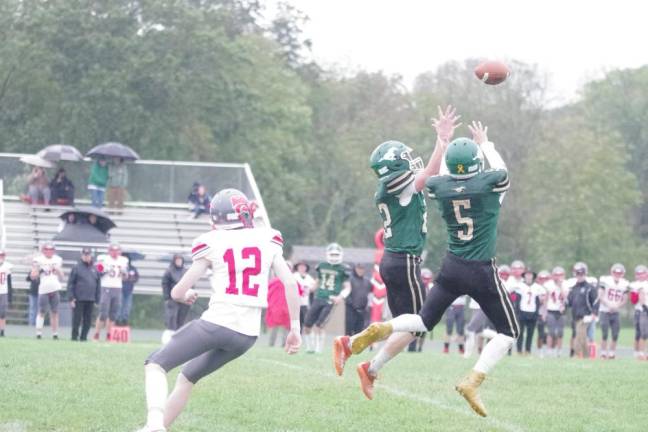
x=571, y=41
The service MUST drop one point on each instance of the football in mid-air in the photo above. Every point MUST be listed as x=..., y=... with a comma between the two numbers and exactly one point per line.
x=492, y=72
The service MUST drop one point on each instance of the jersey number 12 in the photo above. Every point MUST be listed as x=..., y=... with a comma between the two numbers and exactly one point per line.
x=254, y=270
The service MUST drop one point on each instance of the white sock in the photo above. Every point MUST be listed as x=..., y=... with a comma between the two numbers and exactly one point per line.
x=319, y=341
x=379, y=360
x=40, y=322
x=489, y=333
x=470, y=344
x=156, y=394
x=408, y=323
x=308, y=338
x=177, y=399
x=493, y=352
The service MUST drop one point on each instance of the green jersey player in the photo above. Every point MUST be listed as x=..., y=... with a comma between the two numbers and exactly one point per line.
x=401, y=204
x=332, y=287
x=469, y=200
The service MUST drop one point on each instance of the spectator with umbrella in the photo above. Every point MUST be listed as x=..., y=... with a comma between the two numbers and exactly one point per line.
x=38, y=189
x=117, y=182
x=62, y=189
x=98, y=181
x=103, y=151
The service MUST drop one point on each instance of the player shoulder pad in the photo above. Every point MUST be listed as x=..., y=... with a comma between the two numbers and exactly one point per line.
x=200, y=246
x=432, y=183
x=276, y=238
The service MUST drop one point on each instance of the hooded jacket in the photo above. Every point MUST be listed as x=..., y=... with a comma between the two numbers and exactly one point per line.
x=171, y=276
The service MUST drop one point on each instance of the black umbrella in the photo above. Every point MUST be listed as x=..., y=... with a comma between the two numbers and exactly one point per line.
x=60, y=152
x=81, y=233
x=113, y=149
x=104, y=223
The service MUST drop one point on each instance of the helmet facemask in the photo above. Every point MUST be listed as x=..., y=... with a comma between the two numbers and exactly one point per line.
x=334, y=254
x=416, y=164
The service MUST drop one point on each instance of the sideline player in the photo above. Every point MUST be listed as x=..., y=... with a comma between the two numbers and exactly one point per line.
x=469, y=200
x=641, y=281
x=6, y=290
x=556, y=302
x=332, y=287
x=50, y=267
x=240, y=256
x=113, y=269
x=613, y=294
x=401, y=204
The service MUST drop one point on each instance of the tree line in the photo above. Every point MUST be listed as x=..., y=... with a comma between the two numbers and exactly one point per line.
x=216, y=80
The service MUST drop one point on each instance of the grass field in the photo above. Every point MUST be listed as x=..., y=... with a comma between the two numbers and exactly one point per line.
x=61, y=386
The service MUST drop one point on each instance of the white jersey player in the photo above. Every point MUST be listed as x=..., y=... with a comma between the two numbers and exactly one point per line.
x=639, y=285
x=113, y=268
x=613, y=293
x=557, y=293
x=5, y=290
x=308, y=286
x=241, y=257
x=50, y=268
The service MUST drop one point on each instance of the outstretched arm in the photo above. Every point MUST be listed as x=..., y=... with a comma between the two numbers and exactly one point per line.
x=445, y=126
x=480, y=136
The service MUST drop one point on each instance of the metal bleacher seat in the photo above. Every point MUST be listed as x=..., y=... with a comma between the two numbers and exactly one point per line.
x=155, y=230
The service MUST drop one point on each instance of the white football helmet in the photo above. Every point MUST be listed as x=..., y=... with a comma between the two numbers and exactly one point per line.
x=334, y=253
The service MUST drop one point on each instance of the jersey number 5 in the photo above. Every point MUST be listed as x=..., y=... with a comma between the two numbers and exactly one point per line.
x=468, y=234
x=254, y=270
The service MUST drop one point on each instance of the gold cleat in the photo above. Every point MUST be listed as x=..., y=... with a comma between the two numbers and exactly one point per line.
x=374, y=333
x=467, y=388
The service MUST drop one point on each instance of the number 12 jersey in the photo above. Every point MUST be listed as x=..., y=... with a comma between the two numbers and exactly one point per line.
x=240, y=260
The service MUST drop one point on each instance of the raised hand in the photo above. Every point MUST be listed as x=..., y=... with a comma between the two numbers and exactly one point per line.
x=479, y=132
x=446, y=123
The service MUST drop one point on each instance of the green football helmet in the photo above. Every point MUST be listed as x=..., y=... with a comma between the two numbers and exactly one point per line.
x=463, y=158
x=391, y=159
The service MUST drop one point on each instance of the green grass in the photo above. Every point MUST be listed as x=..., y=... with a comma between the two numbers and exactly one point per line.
x=61, y=386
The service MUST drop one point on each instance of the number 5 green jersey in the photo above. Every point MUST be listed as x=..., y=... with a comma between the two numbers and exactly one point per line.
x=331, y=277
x=470, y=208
x=404, y=217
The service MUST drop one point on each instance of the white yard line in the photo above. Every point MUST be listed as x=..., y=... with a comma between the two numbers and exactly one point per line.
x=506, y=426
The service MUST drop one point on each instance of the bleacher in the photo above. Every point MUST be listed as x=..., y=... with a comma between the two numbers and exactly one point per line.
x=155, y=230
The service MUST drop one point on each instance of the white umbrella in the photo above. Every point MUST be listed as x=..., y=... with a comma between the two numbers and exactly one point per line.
x=36, y=161
x=60, y=152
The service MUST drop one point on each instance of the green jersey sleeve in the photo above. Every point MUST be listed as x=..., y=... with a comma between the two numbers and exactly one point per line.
x=497, y=179
x=395, y=185
x=431, y=184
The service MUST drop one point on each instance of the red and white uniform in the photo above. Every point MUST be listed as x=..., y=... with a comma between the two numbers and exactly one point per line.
x=307, y=283
x=529, y=296
x=5, y=271
x=556, y=296
x=49, y=278
x=613, y=293
x=113, y=270
x=240, y=260
x=636, y=287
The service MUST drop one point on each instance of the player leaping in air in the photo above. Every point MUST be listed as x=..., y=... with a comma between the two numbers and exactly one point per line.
x=240, y=256
x=401, y=205
x=469, y=200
